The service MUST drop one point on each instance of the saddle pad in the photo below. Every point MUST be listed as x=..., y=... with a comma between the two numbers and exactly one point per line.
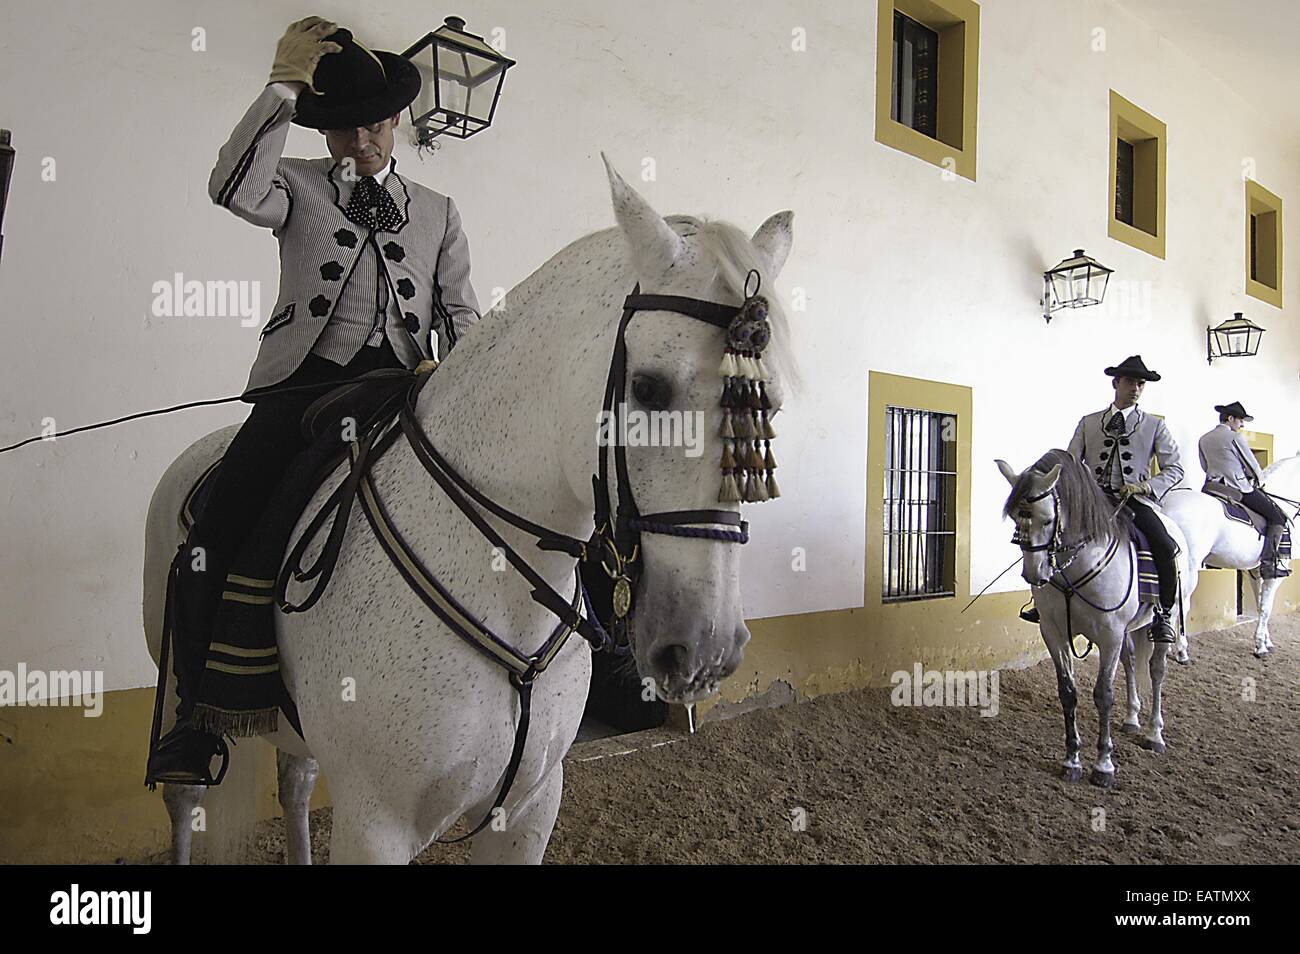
x=197, y=499
x=1235, y=510
x=1239, y=512
x=241, y=690
x=1148, y=577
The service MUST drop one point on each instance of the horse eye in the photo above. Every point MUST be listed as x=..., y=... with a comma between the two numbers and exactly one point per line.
x=650, y=391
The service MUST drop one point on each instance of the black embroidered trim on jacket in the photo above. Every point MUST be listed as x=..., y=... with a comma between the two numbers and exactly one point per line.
x=392, y=174
x=381, y=319
x=277, y=321
x=232, y=184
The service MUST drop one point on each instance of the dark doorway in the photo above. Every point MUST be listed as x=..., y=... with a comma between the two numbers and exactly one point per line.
x=615, y=703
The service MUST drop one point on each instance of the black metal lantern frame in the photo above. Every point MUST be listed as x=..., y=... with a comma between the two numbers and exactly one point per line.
x=6, y=173
x=461, y=78
x=1238, y=337
x=1077, y=282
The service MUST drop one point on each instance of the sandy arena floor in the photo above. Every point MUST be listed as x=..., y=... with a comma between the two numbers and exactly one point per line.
x=882, y=784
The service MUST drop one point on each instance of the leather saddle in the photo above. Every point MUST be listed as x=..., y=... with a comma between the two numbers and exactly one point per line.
x=359, y=399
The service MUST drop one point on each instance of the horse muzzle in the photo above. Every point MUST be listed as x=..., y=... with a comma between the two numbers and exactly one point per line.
x=689, y=667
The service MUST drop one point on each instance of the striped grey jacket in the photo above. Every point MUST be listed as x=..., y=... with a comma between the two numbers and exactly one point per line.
x=425, y=256
x=1226, y=458
x=1116, y=460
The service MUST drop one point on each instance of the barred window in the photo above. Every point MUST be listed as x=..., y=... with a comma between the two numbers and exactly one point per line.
x=915, y=80
x=920, y=515
x=1124, y=181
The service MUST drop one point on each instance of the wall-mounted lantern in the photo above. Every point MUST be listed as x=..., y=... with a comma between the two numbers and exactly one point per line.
x=1238, y=337
x=1077, y=282
x=461, y=78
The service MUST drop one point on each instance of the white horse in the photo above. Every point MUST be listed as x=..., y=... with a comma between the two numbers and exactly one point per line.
x=514, y=409
x=1080, y=561
x=1220, y=542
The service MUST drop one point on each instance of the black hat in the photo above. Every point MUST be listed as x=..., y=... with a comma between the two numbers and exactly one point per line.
x=356, y=86
x=1132, y=367
x=1233, y=410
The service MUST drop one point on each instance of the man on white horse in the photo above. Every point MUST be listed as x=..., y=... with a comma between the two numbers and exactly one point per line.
x=371, y=264
x=1117, y=445
x=1231, y=471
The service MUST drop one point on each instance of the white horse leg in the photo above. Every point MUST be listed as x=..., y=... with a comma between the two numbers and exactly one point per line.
x=367, y=831
x=296, y=778
x=1265, y=592
x=527, y=831
x=1058, y=646
x=1186, y=587
x=1155, y=740
x=181, y=801
x=1133, y=719
x=1103, y=695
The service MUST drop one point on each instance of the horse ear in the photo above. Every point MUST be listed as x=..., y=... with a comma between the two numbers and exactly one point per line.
x=773, y=240
x=1049, y=479
x=1007, y=472
x=653, y=243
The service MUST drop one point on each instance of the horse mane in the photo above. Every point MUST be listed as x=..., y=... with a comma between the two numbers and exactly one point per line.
x=1085, y=512
x=1280, y=467
x=734, y=254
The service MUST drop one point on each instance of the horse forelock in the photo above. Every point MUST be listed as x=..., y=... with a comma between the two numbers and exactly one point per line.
x=734, y=256
x=1085, y=510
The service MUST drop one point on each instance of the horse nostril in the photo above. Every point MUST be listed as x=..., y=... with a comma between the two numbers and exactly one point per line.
x=742, y=637
x=671, y=659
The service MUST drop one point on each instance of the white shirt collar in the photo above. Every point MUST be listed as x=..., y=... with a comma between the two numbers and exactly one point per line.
x=380, y=176
x=1126, y=412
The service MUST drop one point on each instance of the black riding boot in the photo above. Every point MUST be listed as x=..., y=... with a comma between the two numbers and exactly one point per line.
x=184, y=754
x=1029, y=613
x=1271, y=566
x=1162, y=630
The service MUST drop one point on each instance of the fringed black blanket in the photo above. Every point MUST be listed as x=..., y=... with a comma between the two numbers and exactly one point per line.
x=241, y=691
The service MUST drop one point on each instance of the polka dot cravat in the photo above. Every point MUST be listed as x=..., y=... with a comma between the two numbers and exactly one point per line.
x=371, y=207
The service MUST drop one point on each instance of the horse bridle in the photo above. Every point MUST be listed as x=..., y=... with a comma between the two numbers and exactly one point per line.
x=1073, y=589
x=618, y=542
x=1053, y=544
x=615, y=543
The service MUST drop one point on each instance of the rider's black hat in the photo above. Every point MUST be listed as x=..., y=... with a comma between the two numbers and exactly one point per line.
x=1132, y=367
x=1233, y=410
x=356, y=86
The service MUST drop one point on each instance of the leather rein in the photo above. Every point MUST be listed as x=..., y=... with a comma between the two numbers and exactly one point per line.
x=614, y=543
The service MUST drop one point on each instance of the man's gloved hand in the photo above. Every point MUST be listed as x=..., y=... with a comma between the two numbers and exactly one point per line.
x=300, y=49
x=1135, y=490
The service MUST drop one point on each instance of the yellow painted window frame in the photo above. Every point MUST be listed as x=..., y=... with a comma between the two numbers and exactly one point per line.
x=1150, y=138
x=1260, y=441
x=922, y=395
x=1259, y=201
x=958, y=24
